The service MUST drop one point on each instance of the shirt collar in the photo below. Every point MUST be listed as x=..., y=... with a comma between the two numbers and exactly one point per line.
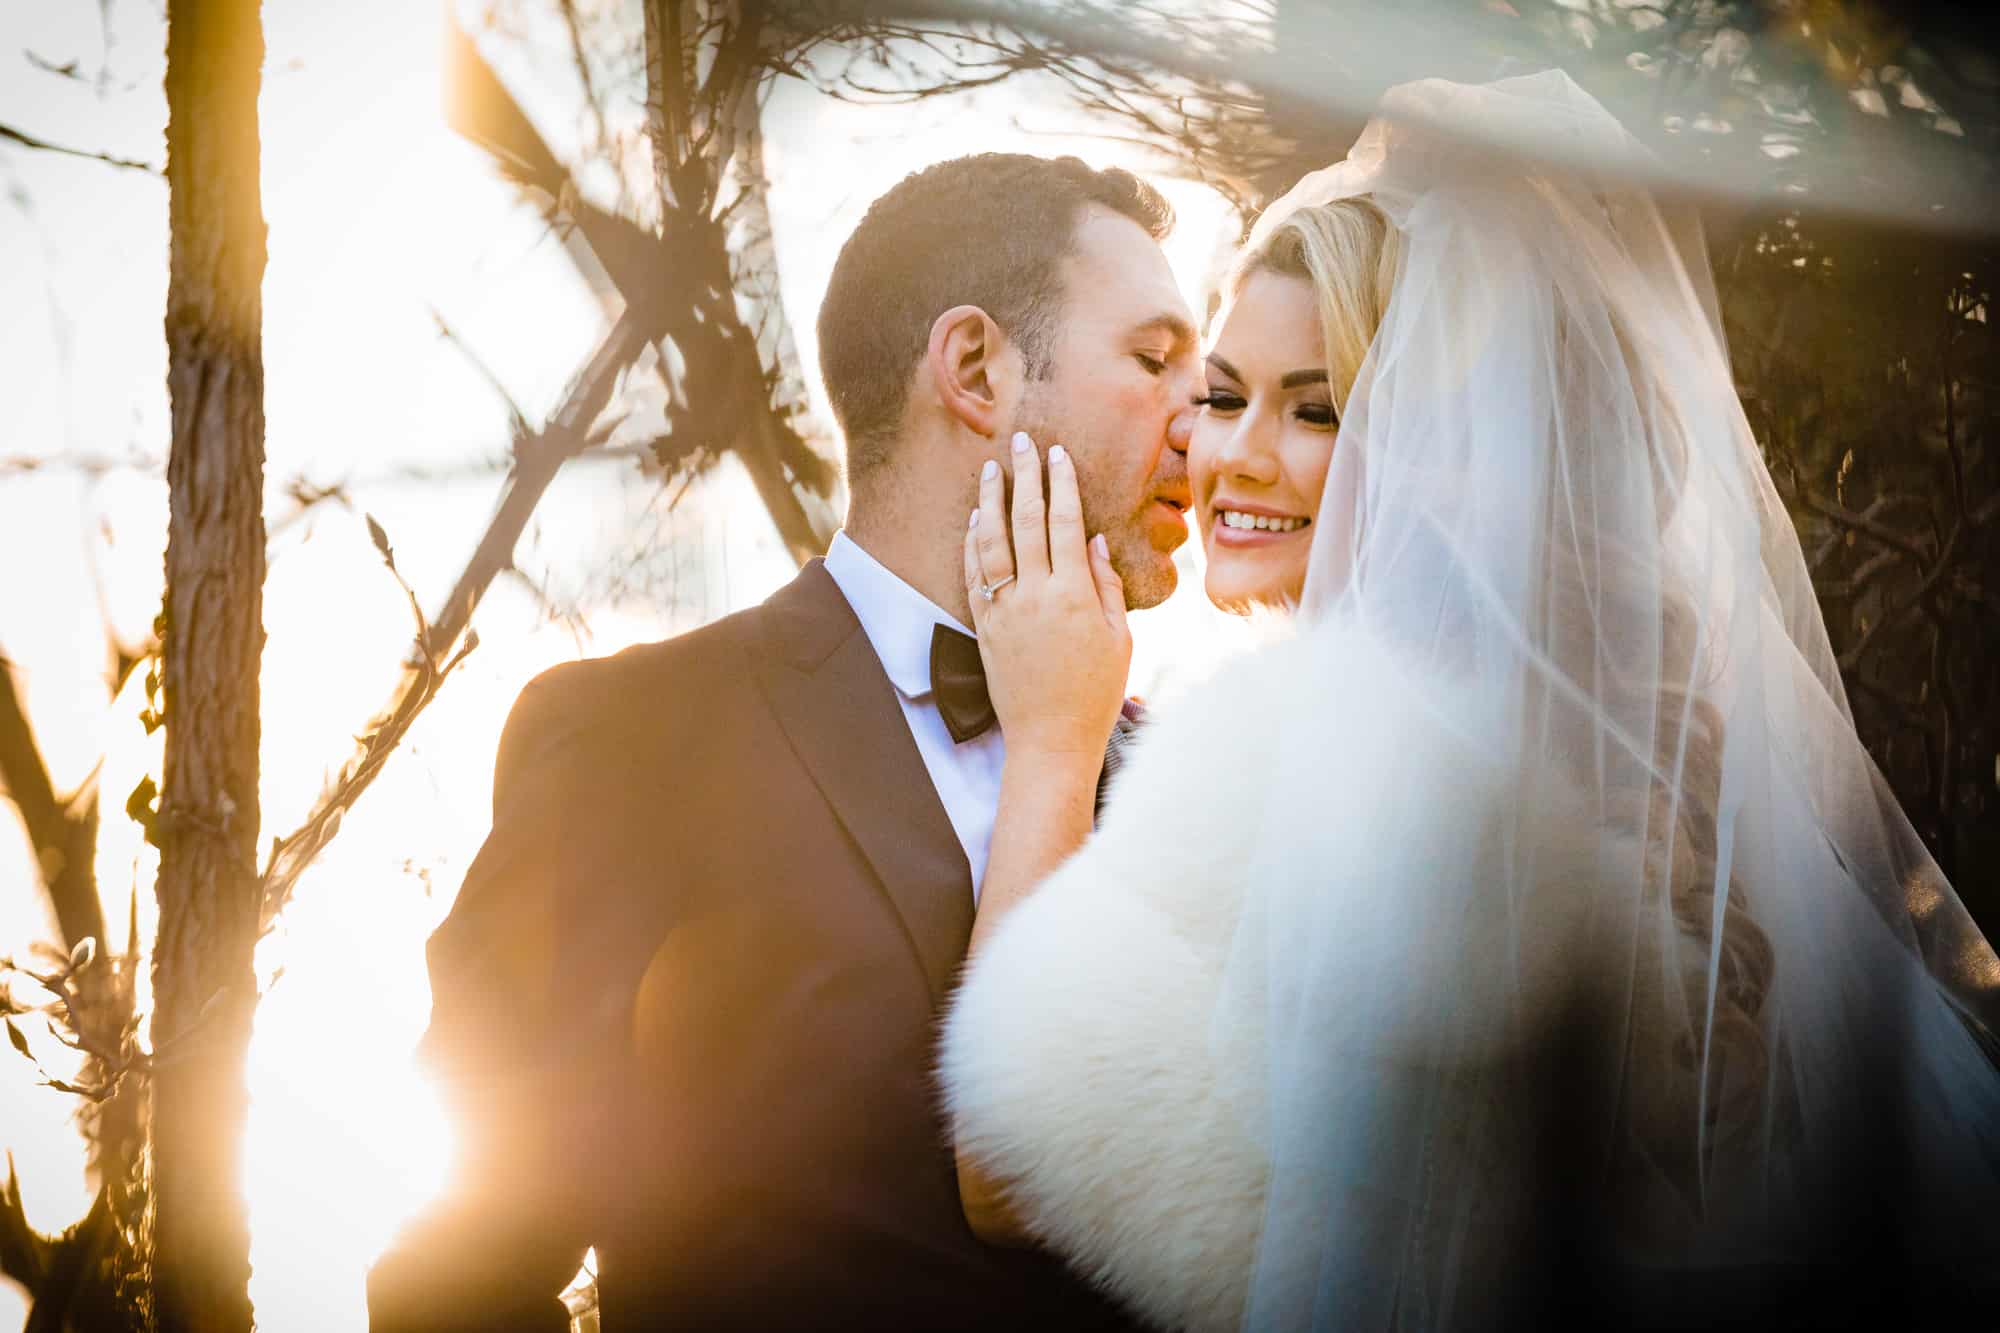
x=896, y=617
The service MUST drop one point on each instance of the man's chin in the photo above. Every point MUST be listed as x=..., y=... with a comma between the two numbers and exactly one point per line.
x=1150, y=580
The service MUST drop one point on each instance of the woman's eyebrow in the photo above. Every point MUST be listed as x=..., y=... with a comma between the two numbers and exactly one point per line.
x=1291, y=380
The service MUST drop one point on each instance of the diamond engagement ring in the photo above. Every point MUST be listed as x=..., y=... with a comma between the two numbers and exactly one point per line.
x=987, y=590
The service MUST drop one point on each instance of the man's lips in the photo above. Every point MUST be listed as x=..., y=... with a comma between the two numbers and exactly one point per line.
x=1171, y=509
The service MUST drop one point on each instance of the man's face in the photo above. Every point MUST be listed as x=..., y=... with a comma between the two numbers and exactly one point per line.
x=1122, y=363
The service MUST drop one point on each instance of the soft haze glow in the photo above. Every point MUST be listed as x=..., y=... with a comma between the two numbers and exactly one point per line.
x=378, y=215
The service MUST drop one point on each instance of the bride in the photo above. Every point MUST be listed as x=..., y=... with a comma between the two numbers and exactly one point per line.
x=1529, y=917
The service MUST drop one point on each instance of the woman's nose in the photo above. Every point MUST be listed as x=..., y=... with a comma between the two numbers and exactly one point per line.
x=1247, y=453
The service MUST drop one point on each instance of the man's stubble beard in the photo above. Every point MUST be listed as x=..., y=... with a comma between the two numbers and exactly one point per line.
x=1148, y=575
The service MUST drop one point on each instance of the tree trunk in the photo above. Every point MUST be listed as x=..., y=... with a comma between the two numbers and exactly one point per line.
x=203, y=982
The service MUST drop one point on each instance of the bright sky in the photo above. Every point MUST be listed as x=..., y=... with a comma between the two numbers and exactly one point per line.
x=377, y=215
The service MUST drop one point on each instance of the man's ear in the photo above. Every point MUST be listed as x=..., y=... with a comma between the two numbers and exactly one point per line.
x=972, y=368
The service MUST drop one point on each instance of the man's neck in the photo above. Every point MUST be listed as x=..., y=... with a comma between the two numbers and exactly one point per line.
x=914, y=551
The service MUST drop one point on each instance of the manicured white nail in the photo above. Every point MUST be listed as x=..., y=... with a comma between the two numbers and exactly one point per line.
x=990, y=470
x=1099, y=545
x=1056, y=454
x=974, y=521
x=1022, y=443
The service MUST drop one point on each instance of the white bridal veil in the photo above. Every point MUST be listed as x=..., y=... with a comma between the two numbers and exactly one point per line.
x=1696, y=995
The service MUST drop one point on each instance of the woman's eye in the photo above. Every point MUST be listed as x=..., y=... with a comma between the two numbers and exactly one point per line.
x=1318, y=414
x=1218, y=400
x=1153, y=364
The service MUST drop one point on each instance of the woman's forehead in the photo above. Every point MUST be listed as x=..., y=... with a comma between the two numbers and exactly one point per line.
x=1271, y=326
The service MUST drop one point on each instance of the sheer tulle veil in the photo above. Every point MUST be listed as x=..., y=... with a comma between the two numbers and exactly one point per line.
x=1698, y=937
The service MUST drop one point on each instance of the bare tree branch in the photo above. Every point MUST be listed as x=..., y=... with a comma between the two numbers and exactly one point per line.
x=573, y=22
x=1863, y=578
x=26, y=140
x=537, y=459
x=69, y=69
x=1869, y=528
x=1851, y=659
x=517, y=423
x=63, y=833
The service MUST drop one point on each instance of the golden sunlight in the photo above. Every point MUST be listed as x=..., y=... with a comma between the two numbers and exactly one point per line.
x=379, y=216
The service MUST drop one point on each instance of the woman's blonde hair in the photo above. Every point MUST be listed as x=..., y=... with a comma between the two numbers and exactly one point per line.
x=1352, y=254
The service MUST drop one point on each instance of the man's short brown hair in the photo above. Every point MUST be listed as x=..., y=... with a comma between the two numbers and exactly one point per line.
x=989, y=231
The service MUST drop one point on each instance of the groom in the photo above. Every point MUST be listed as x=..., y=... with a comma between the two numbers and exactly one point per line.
x=684, y=1006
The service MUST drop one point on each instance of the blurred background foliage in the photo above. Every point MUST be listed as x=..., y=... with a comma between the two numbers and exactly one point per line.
x=1867, y=364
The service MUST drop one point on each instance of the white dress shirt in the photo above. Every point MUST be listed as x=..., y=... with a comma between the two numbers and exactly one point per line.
x=897, y=620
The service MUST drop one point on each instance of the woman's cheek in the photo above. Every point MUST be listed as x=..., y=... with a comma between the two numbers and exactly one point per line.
x=1311, y=456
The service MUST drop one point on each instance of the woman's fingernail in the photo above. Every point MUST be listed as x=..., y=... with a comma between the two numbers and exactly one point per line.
x=990, y=469
x=1056, y=454
x=1099, y=545
x=974, y=521
x=1022, y=443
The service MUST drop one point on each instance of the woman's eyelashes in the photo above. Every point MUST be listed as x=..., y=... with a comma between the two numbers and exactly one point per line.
x=1224, y=403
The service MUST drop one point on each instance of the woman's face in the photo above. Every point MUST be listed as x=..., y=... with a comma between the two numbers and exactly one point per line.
x=1260, y=446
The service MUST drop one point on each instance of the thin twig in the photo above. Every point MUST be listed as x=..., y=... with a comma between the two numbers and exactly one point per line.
x=1956, y=454
x=574, y=23
x=1857, y=582
x=26, y=140
x=517, y=422
x=537, y=459
x=1851, y=659
x=1868, y=527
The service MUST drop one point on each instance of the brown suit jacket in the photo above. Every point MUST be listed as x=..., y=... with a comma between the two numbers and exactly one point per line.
x=684, y=1008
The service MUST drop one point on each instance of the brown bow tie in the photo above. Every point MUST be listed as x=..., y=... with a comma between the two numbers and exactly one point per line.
x=958, y=679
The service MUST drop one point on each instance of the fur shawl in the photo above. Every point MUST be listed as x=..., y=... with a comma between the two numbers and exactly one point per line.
x=1088, y=1059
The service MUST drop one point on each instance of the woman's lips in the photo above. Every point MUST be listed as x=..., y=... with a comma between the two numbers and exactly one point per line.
x=1221, y=533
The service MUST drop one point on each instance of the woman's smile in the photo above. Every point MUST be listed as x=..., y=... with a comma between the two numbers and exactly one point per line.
x=1240, y=523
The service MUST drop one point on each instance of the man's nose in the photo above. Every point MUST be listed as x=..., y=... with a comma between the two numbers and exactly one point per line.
x=1180, y=429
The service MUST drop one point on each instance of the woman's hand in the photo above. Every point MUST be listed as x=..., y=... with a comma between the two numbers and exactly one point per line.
x=1052, y=635
x=1056, y=648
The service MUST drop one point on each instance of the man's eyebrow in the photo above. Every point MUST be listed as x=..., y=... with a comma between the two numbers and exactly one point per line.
x=1172, y=325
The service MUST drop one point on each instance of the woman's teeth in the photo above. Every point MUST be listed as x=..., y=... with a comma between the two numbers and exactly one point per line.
x=1236, y=518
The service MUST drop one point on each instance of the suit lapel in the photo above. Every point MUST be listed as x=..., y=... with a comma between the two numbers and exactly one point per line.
x=830, y=694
